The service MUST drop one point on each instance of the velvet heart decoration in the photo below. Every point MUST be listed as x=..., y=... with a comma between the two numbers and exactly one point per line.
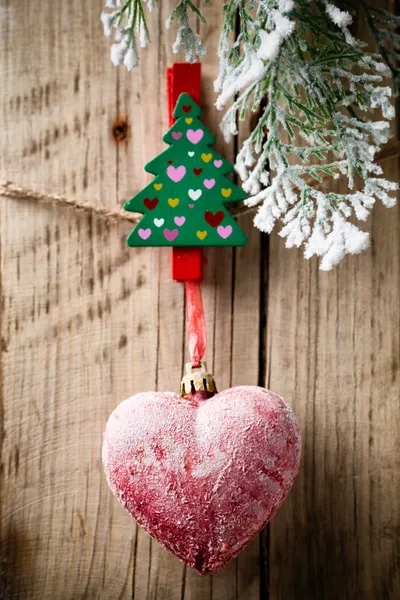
x=202, y=477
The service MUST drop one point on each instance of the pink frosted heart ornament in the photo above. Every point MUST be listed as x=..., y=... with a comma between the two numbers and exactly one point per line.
x=202, y=472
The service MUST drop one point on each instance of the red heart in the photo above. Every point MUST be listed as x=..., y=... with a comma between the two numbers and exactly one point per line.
x=186, y=108
x=170, y=162
x=197, y=171
x=150, y=204
x=202, y=477
x=214, y=219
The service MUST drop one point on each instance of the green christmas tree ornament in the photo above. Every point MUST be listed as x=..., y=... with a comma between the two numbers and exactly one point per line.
x=185, y=204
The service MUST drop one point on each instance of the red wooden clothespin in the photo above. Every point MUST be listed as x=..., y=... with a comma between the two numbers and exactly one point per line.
x=187, y=263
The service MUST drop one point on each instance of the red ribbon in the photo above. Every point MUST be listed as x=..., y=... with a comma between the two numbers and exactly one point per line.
x=196, y=322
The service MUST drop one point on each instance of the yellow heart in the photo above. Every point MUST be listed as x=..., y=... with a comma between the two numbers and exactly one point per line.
x=201, y=235
x=173, y=202
x=206, y=157
x=189, y=120
x=158, y=186
x=226, y=192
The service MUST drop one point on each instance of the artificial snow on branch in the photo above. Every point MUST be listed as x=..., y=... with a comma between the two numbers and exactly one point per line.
x=186, y=40
x=317, y=92
x=126, y=18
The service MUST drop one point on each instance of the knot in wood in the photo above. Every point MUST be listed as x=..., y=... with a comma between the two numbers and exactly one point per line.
x=120, y=130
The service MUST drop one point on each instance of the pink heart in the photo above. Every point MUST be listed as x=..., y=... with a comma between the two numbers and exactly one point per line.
x=176, y=173
x=191, y=205
x=218, y=163
x=144, y=233
x=177, y=135
x=224, y=232
x=194, y=136
x=202, y=477
x=179, y=221
x=170, y=235
x=209, y=183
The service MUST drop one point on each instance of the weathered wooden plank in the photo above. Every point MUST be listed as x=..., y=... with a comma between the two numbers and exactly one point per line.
x=381, y=447
x=216, y=292
x=67, y=300
x=159, y=574
x=59, y=107
x=59, y=100
x=333, y=353
x=118, y=165
x=332, y=350
x=244, y=572
x=232, y=325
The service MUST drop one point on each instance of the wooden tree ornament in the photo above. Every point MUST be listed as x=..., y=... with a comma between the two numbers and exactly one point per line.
x=185, y=204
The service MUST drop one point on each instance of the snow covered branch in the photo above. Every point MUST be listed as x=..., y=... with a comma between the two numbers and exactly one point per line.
x=317, y=92
x=126, y=19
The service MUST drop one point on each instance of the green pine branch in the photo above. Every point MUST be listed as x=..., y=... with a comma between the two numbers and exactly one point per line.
x=317, y=92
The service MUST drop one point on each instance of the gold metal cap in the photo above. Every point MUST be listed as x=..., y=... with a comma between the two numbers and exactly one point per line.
x=197, y=380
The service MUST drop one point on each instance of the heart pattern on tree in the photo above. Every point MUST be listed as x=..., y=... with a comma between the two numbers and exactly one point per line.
x=193, y=176
x=214, y=219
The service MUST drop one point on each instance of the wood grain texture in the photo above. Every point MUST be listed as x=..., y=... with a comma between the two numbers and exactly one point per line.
x=333, y=352
x=87, y=322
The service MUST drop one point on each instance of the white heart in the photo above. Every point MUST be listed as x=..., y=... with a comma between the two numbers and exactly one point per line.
x=158, y=222
x=195, y=194
x=191, y=153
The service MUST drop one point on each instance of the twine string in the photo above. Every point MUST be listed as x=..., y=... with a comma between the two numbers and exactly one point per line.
x=11, y=190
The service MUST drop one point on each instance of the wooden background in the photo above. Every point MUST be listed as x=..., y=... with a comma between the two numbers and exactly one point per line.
x=87, y=322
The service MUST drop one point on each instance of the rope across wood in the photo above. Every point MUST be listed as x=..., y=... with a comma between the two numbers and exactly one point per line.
x=17, y=192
